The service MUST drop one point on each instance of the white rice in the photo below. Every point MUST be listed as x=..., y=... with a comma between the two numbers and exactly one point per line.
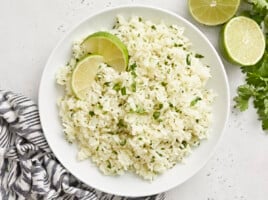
x=149, y=130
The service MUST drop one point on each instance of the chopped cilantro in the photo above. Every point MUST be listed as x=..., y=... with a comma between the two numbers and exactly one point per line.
x=156, y=115
x=193, y=102
x=121, y=123
x=158, y=106
x=132, y=67
x=177, y=110
x=109, y=166
x=107, y=83
x=99, y=105
x=133, y=87
x=117, y=86
x=133, y=73
x=159, y=154
x=188, y=60
x=164, y=84
x=123, y=91
x=178, y=45
x=184, y=143
x=114, y=152
x=91, y=113
x=123, y=142
x=199, y=55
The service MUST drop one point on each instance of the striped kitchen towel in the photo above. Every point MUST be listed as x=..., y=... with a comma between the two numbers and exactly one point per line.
x=29, y=170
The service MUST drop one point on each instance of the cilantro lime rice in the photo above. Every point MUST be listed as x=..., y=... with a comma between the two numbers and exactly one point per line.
x=145, y=119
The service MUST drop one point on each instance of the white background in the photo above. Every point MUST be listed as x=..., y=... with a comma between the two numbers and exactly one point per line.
x=30, y=29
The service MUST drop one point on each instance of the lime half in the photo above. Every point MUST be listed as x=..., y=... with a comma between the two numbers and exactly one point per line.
x=242, y=41
x=213, y=12
x=110, y=47
x=84, y=74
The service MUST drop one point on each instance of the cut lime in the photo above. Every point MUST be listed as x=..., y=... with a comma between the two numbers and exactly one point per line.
x=84, y=74
x=213, y=12
x=242, y=41
x=110, y=47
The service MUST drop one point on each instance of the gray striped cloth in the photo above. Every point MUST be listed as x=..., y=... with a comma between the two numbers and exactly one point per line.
x=29, y=170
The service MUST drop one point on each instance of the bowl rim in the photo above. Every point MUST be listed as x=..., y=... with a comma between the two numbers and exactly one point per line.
x=168, y=12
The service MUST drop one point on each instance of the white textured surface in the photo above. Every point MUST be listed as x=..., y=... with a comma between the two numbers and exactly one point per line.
x=29, y=30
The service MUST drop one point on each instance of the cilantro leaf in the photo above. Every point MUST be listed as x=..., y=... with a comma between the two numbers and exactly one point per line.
x=258, y=11
x=244, y=94
x=256, y=87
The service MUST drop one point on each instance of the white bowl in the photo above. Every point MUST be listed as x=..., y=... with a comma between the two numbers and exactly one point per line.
x=129, y=184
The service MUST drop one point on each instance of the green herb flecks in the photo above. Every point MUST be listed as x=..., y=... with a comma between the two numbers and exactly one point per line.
x=133, y=87
x=117, y=86
x=153, y=27
x=158, y=106
x=133, y=73
x=91, y=113
x=99, y=106
x=164, y=84
x=171, y=105
x=132, y=67
x=199, y=55
x=184, y=143
x=159, y=154
x=156, y=115
x=121, y=123
x=194, y=102
x=188, y=59
x=109, y=165
x=178, y=45
x=123, y=91
x=107, y=83
x=153, y=159
x=123, y=142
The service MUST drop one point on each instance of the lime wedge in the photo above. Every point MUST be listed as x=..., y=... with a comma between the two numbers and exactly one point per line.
x=242, y=41
x=115, y=53
x=84, y=74
x=213, y=12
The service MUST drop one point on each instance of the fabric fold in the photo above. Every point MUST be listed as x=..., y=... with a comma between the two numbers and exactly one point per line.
x=28, y=168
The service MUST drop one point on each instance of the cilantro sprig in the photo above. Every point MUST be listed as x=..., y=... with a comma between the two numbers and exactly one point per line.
x=256, y=87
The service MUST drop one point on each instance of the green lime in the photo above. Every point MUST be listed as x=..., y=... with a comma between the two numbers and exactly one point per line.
x=110, y=47
x=84, y=74
x=213, y=12
x=242, y=41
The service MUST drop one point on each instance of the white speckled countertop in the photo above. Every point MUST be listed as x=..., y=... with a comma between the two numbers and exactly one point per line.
x=29, y=30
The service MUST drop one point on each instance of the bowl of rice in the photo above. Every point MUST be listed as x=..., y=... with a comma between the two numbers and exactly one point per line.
x=150, y=127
